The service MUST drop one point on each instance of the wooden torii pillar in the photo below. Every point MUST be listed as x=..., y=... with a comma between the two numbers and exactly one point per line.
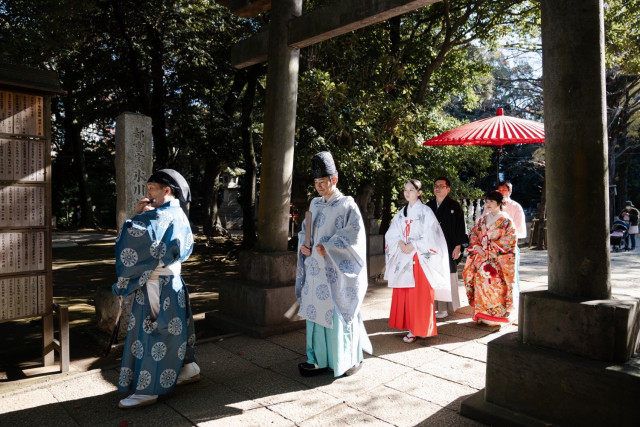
x=270, y=272
x=288, y=32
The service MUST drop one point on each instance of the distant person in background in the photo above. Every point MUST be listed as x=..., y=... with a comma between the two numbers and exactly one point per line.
x=516, y=213
x=513, y=209
x=489, y=273
x=631, y=214
x=417, y=266
x=451, y=218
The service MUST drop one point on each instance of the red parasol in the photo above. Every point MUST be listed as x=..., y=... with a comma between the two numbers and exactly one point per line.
x=498, y=130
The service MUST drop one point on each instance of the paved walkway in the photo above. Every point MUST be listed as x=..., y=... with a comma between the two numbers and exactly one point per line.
x=248, y=381
x=62, y=239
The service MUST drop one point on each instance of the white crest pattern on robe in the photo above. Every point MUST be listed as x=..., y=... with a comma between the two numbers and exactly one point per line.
x=155, y=349
x=429, y=243
x=338, y=280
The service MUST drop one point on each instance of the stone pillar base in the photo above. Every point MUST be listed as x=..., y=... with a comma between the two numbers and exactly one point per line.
x=529, y=385
x=107, y=308
x=604, y=330
x=257, y=304
x=269, y=267
x=375, y=255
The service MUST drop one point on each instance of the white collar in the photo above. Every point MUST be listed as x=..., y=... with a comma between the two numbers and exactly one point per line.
x=491, y=218
x=415, y=205
x=333, y=197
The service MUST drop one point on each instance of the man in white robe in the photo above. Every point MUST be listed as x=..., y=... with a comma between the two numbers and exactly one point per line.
x=331, y=278
x=514, y=209
x=516, y=213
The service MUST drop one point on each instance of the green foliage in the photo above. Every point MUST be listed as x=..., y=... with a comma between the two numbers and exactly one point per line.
x=622, y=35
x=622, y=53
x=373, y=96
x=108, y=55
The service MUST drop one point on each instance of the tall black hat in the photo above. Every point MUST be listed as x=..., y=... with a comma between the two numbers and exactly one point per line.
x=177, y=183
x=322, y=165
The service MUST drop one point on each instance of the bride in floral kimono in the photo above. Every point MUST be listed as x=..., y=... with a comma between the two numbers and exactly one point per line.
x=489, y=274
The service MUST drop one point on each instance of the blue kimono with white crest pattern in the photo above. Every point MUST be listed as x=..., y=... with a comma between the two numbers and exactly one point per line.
x=155, y=350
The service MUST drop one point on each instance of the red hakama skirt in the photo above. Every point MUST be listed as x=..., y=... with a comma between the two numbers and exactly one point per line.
x=413, y=308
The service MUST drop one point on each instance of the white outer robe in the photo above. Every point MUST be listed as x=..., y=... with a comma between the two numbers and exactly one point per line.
x=515, y=211
x=429, y=243
x=339, y=279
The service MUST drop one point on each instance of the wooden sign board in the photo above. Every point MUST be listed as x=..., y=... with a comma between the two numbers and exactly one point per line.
x=23, y=206
x=26, y=288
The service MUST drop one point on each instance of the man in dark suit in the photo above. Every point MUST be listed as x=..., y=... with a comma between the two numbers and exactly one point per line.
x=451, y=218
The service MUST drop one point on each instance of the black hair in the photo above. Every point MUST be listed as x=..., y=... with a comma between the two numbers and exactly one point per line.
x=418, y=186
x=496, y=196
x=443, y=178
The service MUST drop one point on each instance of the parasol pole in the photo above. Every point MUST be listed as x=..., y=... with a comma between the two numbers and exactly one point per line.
x=498, y=165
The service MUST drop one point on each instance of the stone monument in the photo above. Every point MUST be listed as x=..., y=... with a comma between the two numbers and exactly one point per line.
x=134, y=165
x=134, y=162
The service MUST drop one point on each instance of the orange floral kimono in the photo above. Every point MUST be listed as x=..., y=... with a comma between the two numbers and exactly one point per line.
x=489, y=279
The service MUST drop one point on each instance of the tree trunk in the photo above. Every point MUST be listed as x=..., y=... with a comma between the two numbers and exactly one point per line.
x=538, y=237
x=158, y=96
x=623, y=181
x=152, y=104
x=387, y=198
x=73, y=135
x=134, y=61
x=250, y=166
x=211, y=185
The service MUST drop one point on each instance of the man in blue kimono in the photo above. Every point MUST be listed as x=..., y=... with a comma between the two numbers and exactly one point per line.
x=331, y=278
x=150, y=249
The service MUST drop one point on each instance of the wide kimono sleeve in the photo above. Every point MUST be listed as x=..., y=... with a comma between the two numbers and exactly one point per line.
x=347, y=243
x=503, y=237
x=429, y=238
x=346, y=267
x=475, y=236
x=433, y=253
x=393, y=235
x=460, y=227
x=174, y=234
x=300, y=273
x=503, y=245
x=391, y=247
x=134, y=262
x=147, y=239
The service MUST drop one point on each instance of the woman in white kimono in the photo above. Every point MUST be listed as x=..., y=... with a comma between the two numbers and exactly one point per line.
x=417, y=266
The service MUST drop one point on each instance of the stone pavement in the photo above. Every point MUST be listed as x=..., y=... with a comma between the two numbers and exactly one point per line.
x=61, y=239
x=248, y=381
